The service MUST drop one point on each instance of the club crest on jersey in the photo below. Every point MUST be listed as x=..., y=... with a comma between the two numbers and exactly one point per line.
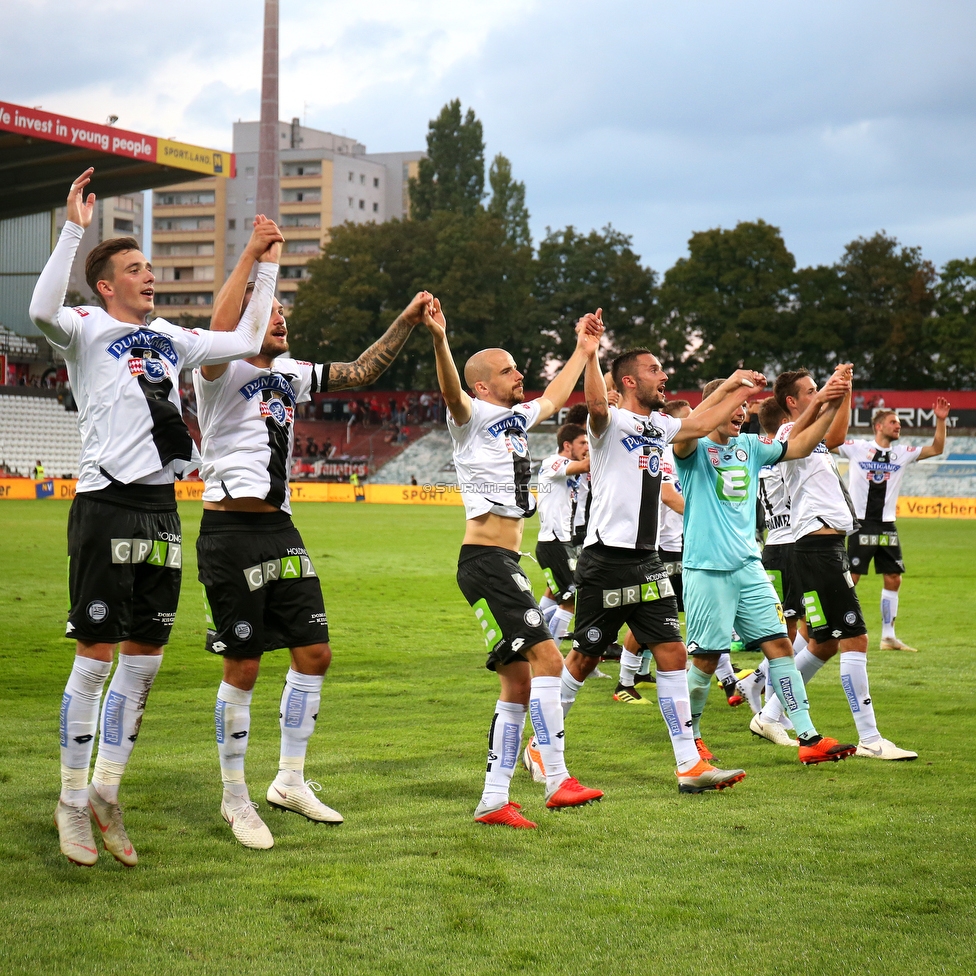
x=144, y=339
x=277, y=410
x=649, y=462
x=517, y=444
x=145, y=363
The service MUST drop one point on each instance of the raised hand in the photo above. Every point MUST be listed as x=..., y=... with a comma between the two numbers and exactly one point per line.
x=941, y=408
x=266, y=240
x=80, y=210
x=589, y=332
x=413, y=314
x=434, y=319
x=748, y=378
x=836, y=388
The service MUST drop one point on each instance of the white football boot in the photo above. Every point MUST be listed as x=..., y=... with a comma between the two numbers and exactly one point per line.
x=300, y=799
x=770, y=730
x=884, y=749
x=248, y=827
x=108, y=816
x=75, y=834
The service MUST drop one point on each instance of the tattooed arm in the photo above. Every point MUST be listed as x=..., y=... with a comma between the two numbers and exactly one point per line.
x=374, y=361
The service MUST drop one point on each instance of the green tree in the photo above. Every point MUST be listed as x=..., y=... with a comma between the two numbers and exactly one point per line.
x=890, y=292
x=953, y=331
x=452, y=176
x=726, y=305
x=367, y=274
x=508, y=202
x=577, y=273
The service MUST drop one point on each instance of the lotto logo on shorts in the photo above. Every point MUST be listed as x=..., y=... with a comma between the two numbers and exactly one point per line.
x=290, y=567
x=156, y=552
x=638, y=593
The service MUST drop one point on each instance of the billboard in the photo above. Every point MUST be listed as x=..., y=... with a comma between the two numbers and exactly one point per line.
x=118, y=142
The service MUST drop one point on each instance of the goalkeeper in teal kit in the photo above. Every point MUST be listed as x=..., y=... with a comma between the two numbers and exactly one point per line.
x=725, y=585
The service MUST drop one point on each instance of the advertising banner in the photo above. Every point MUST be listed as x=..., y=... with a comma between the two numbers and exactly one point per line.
x=118, y=142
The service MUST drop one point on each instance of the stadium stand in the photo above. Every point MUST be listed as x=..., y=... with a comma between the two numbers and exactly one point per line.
x=37, y=427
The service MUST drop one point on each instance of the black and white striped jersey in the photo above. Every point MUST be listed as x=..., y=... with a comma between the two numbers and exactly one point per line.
x=125, y=377
x=875, y=477
x=625, y=478
x=247, y=423
x=491, y=457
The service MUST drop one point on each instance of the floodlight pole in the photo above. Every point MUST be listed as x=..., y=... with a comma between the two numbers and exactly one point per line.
x=267, y=191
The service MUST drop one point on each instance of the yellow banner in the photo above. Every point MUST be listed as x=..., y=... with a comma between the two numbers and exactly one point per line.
x=952, y=508
x=196, y=158
x=315, y=491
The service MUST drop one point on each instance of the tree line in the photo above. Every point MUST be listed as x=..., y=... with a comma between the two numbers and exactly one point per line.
x=737, y=299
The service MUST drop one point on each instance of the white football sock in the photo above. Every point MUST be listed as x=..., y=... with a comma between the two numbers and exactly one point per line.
x=78, y=724
x=122, y=711
x=629, y=663
x=799, y=643
x=568, y=689
x=672, y=699
x=299, y=709
x=547, y=603
x=546, y=715
x=889, y=610
x=504, y=744
x=724, y=670
x=232, y=717
x=854, y=680
x=808, y=664
x=559, y=623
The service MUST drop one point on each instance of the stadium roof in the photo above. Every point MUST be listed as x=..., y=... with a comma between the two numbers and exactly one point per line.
x=41, y=153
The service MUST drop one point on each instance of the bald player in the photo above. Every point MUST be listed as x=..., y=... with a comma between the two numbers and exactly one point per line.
x=490, y=427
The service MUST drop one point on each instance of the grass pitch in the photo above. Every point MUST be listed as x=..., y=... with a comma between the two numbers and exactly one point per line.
x=862, y=867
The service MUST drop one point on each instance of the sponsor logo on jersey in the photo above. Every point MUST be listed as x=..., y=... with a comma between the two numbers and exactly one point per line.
x=144, y=339
x=271, y=381
x=82, y=312
x=635, y=443
x=514, y=423
x=732, y=484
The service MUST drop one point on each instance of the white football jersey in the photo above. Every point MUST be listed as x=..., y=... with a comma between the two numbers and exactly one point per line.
x=125, y=377
x=625, y=478
x=817, y=498
x=671, y=529
x=581, y=506
x=247, y=423
x=775, y=501
x=556, y=493
x=875, y=476
x=491, y=457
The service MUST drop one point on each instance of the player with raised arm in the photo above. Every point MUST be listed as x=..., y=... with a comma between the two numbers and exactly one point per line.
x=491, y=455
x=821, y=515
x=620, y=577
x=725, y=585
x=876, y=471
x=559, y=478
x=124, y=535
x=262, y=589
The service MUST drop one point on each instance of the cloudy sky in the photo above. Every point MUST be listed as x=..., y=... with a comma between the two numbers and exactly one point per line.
x=829, y=119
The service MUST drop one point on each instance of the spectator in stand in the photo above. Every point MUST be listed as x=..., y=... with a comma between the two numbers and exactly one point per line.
x=374, y=410
x=308, y=445
x=313, y=449
x=425, y=405
x=37, y=472
x=327, y=449
x=413, y=480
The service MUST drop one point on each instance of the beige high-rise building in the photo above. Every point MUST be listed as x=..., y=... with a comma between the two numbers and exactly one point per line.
x=200, y=228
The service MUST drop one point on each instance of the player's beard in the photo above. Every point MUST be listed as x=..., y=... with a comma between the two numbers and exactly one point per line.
x=650, y=399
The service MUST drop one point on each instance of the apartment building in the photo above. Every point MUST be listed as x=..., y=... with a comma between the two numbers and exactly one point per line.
x=200, y=228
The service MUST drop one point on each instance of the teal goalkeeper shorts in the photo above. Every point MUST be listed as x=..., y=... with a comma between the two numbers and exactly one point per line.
x=716, y=601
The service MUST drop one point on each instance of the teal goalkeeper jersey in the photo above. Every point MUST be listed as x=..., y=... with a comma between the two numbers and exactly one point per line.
x=719, y=483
